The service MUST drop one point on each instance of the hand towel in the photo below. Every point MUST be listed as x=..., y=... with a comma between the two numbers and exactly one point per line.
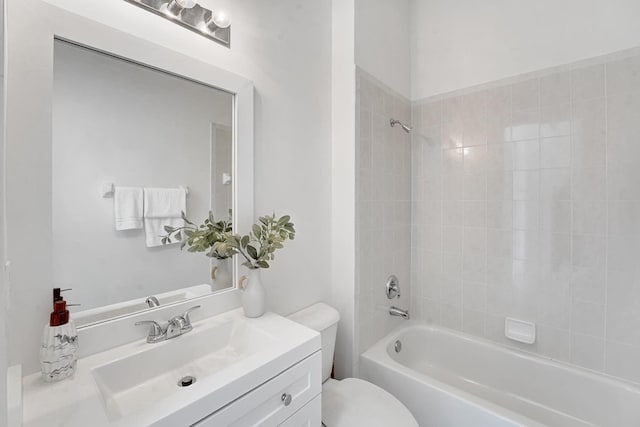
x=162, y=206
x=127, y=203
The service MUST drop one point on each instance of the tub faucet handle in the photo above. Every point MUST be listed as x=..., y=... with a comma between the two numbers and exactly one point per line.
x=392, y=287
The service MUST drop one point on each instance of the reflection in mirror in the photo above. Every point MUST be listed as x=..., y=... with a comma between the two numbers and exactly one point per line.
x=132, y=148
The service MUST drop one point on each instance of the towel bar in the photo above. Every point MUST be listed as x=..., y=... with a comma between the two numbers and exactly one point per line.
x=108, y=188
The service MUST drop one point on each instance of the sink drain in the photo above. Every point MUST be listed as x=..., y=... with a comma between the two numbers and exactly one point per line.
x=397, y=346
x=186, y=381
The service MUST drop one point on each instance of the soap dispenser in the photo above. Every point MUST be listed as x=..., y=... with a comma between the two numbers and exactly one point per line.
x=59, y=349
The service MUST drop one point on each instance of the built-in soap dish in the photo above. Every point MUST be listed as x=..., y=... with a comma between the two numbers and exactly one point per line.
x=520, y=330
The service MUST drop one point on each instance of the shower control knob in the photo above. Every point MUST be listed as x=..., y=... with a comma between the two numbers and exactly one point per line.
x=392, y=287
x=286, y=399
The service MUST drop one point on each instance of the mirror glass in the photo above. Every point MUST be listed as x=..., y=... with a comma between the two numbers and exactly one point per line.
x=132, y=148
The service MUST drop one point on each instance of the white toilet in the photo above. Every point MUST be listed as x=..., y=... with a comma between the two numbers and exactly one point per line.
x=351, y=402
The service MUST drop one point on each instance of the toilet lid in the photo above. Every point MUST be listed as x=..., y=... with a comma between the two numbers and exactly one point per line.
x=354, y=403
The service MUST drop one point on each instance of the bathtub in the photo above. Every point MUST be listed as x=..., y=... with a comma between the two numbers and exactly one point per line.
x=449, y=379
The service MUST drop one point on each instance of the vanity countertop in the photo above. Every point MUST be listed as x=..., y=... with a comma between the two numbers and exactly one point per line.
x=78, y=401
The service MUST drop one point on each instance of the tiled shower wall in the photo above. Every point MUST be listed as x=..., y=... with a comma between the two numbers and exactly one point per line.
x=383, y=207
x=526, y=203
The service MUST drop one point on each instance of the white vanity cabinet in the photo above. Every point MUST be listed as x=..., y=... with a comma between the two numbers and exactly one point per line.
x=249, y=372
x=290, y=399
x=309, y=416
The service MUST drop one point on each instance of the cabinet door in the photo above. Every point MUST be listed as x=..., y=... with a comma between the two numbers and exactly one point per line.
x=309, y=416
x=274, y=401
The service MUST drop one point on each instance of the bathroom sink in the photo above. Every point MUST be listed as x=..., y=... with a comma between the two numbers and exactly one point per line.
x=141, y=379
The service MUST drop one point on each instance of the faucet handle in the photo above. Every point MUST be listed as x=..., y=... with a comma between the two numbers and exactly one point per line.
x=392, y=287
x=185, y=316
x=155, y=330
x=152, y=301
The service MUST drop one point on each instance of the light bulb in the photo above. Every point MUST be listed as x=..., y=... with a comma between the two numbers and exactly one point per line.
x=186, y=4
x=220, y=19
x=175, y=7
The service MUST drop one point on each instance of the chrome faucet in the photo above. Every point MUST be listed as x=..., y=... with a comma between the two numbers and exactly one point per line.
x=152, y=301
x=395, y=311
x=176, y=326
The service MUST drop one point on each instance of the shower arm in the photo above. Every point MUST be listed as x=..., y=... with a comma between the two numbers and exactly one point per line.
x=405, y=127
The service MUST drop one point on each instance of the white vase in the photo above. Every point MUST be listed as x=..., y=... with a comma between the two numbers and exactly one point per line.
x=221, y=274
x=253, y=294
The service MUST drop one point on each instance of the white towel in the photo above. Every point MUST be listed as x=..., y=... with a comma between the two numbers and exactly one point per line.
x=127, y=203
x=162, y=206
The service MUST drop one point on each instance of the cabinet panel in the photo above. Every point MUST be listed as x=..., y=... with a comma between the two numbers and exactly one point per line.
x=309, y=415
x=274, y=401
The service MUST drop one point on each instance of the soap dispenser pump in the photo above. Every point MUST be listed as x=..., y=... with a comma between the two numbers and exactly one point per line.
x=59, y=349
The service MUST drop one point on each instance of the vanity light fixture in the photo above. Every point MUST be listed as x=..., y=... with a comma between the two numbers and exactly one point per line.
x=214, y=25
x=175, y=7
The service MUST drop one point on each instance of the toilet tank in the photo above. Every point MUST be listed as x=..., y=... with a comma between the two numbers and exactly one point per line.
x=324, y=319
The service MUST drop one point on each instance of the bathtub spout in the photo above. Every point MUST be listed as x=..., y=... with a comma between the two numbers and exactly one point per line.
x=395, y=311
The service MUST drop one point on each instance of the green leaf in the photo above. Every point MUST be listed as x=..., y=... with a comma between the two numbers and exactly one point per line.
x=284, y=220
x=263, y=264
x=253, y=253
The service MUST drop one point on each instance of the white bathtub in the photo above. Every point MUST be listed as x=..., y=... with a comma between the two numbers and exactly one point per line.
x=449, y=379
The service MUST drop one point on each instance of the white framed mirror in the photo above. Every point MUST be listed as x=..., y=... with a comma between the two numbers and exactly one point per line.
x=133, y=150
x=58, y=134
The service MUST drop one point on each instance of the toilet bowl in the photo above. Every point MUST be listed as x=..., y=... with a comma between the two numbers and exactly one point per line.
x=350, y=402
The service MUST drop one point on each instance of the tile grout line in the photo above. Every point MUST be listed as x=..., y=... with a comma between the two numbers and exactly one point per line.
x=572, y=214
x=606, y=216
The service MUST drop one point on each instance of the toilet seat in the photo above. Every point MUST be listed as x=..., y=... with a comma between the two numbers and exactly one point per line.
x=356, y=403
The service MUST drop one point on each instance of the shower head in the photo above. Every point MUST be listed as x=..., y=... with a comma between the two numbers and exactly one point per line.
x=405, y=127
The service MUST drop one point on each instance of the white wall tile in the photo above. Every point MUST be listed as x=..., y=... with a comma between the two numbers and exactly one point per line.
x=540, y=214
x=500, y=214
x=555, y=152
x=555, y=216
x=526, y=185
x=587, y=82
x=555, y=184
x=555, y=89
x=475, y=213
x=526, y=155
x=622, y=360
x=623, y=75
x=525, y=124
x=587, y=351
x=525, y=95
x=473, y=321
x=526, y=214
x=555, y=120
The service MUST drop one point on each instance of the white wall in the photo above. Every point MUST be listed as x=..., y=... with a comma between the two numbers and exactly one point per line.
x=343, y=91
x=456, y=44
x=285, y=50
x=3, y=291
x=382, y=41
x=114, y=121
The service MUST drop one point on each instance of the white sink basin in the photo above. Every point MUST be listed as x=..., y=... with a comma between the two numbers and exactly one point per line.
x=131, y=383
x=136, y=384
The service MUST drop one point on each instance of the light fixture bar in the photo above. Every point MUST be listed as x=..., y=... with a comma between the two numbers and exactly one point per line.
x=197, y=18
